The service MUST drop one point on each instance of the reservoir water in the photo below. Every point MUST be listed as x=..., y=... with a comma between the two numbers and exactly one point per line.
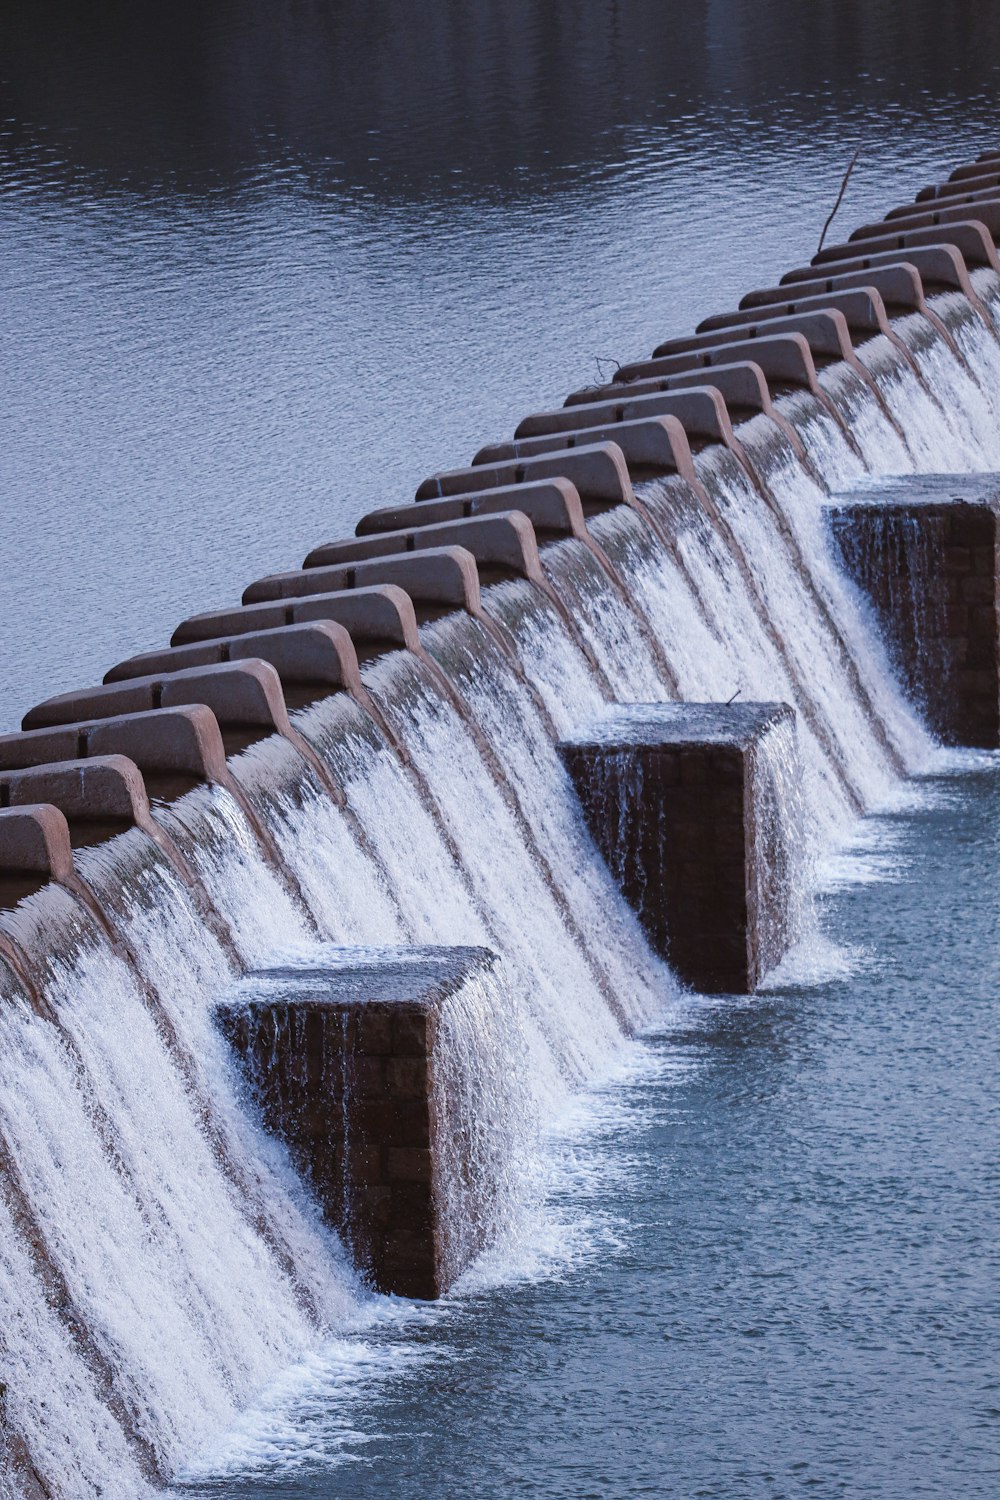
x=265, y=268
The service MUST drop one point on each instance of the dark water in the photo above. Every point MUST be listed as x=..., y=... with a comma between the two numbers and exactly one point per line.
x=794, y=1232
x=265, y=265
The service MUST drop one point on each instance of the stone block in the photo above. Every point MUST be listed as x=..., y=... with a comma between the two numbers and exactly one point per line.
x=862, y=309
x=899, y=285
x=701, y=411
x=923, y=551
x=345, y=1065
x=742, y=385
x=939, y=266
x=310, y=659
x=174, y=748
x=986, y=211
x=785, y=358
x=376, y=616
x=443, y=576
x=503, y=545
x=553, y=506
x=98, y=797
x=650, y=445
x=971, y=238
x=826, y=333
x=684, y=802
x=597, y=470
x=35, y=848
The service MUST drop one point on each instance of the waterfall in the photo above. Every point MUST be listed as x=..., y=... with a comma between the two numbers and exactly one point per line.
x=161, y=1262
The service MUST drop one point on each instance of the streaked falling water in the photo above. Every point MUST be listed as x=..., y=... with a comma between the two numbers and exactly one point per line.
x=159, y=1261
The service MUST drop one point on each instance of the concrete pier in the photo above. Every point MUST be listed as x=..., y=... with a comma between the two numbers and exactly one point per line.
x=923, y=551
x=345, y=1065
x=676, y=797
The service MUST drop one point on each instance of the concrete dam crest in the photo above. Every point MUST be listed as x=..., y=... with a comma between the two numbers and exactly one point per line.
x=311, y=918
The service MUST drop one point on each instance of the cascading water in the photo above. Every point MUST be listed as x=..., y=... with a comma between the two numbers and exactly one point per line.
x=160, y=1262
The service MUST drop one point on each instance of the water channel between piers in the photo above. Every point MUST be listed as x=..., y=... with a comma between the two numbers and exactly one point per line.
x=771, y=1246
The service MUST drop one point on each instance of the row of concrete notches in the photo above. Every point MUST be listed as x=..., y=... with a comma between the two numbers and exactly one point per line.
x=88, y=763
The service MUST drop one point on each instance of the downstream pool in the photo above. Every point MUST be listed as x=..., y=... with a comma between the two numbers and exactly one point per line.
x=768, y=1260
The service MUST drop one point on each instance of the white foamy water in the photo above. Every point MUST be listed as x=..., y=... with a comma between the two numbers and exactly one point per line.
x=161, y=1266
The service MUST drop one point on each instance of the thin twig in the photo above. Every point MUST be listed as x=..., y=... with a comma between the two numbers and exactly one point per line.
x=606, y=359
x=840, y=198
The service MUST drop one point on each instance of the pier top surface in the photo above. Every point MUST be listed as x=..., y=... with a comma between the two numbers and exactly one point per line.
x=629, y=725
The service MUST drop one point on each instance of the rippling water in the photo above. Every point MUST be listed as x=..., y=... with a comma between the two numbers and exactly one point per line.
x=267, y=266
x=264, y=268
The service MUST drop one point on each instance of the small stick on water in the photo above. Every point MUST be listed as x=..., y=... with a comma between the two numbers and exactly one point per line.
x=607, y=359
x=734, y=697
x=840, y=198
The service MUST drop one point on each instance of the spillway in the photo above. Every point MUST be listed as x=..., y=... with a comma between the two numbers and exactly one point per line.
x=161, y=1259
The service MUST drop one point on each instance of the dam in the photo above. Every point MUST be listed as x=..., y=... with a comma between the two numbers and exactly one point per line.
x=311, y=922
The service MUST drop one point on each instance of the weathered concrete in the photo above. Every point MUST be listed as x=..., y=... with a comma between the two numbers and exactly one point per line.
x=598, y=471
x=652, y=445
x=312, y=660
x=899, y=285
x=553, y=507
x=862, y=309
x=503, y=544
x=923, y=550
x=743, y=386
x=99, y=797
x=245, y=697
x=345, y=1066
x=914, y=216
x=679, y=801
x=174, y=748
x=972, y=238
x=941, y=267
x=377, y=618
x=970, y=169
x=34, y=849
x=967, y=189
x=826, y=333
x=701, y=411
x=786, y=360
x=440, y=578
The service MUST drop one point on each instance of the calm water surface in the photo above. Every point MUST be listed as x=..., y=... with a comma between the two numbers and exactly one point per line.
x=266, y=266
x=787, y=1234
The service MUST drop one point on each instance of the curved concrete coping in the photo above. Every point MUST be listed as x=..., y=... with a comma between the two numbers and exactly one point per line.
x=968, y=190
x=382, y=616
x=973, y=168
x=553, y=507
x=442, y=576
x=972, y=238
x=505, y=541
x=34, y=839
x=826, y=333
x=786, y=359
x=701, y=411
x=240, y=695
x=743, y=387
x=862, y=308
x=108, y=791
x=652, y=444
x=912, y=216
x=320, y=653
x=937, y=266
x=173, y=741
x=598, y=470
x=898, y=285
